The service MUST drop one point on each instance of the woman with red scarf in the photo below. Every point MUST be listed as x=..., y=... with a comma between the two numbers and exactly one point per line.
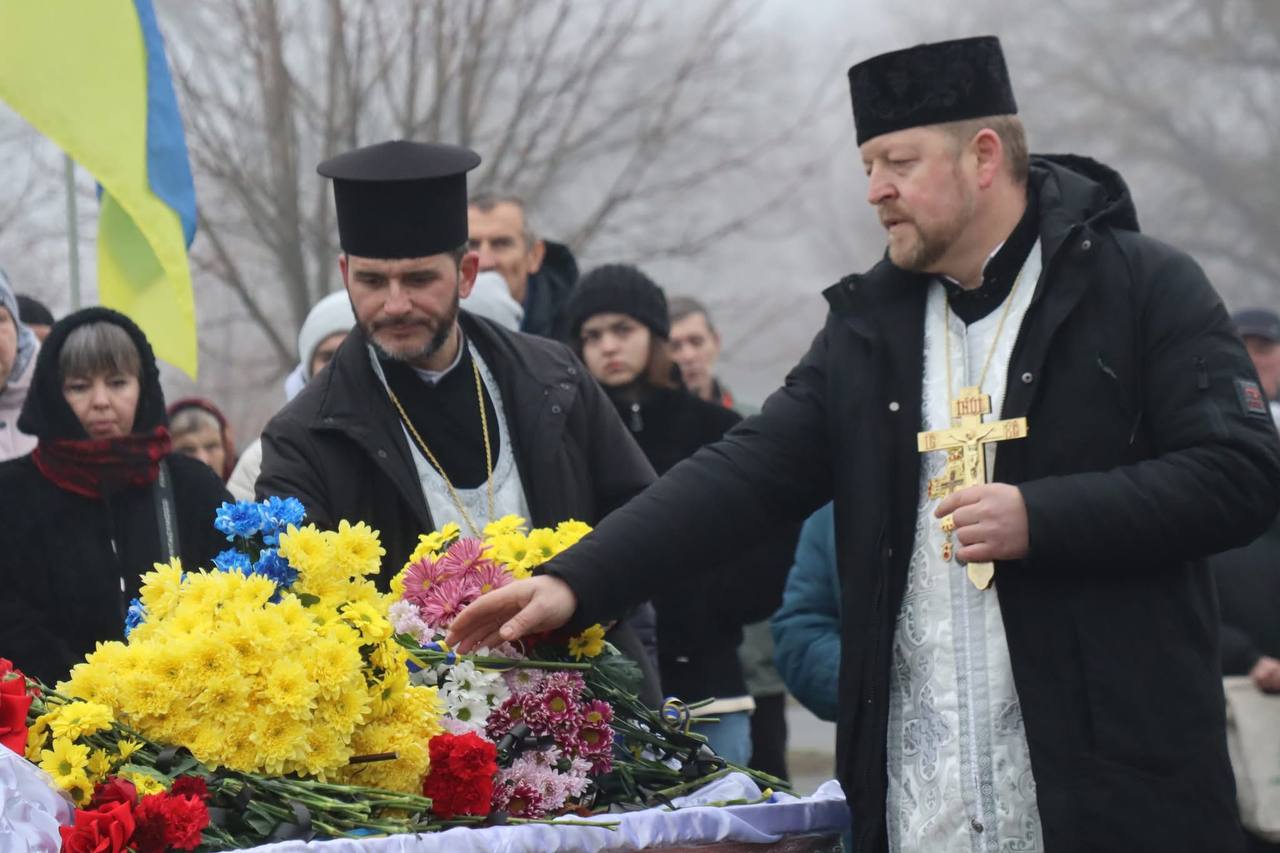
x=99, y=501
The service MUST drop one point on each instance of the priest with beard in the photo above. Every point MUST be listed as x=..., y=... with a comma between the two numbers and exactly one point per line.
x=1035, y=422
x=429, y=415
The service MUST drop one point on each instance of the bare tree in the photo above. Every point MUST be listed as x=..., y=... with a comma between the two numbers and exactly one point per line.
x=1181, y=97
x=619, y=122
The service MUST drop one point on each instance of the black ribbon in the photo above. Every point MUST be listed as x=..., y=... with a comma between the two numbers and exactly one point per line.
x=300, y=829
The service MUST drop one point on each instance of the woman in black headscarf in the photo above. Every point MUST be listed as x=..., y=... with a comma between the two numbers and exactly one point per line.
x=100, y=500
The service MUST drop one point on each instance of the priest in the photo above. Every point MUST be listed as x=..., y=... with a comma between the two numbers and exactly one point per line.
x=1035, y=422
x=427, y=414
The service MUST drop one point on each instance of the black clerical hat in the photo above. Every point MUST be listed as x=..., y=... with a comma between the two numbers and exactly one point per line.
x=930, y=84
x=401, y=199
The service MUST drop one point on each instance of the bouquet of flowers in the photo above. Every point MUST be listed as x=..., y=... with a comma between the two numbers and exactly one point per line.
x=559, y=711
x=278, y=694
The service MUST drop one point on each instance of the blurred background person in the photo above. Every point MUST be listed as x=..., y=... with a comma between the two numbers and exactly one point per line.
x=1260, y=330
x=618, y=322
x=540, y=274
x=806, y=628
x=326, y=327
x=18, y=348
x=100, y=500
x=35, y=314
x=200, y=430
x=490, y=298
x=695, y=348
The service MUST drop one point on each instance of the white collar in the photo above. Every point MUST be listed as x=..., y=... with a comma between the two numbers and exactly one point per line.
x=433, y=377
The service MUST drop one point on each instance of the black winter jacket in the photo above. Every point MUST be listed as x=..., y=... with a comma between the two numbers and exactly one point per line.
x=69, y=565
x=338, y=447
x=548, y=291
x=1144, y=456
x=700, y=617
x=1248, y=582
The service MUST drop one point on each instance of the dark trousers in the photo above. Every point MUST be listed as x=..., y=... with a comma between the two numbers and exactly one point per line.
x=769, y=735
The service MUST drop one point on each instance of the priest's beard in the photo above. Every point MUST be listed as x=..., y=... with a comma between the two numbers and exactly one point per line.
x=930, y=243
x=442, y=331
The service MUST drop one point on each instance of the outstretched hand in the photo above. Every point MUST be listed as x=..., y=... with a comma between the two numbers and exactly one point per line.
x=504, y=615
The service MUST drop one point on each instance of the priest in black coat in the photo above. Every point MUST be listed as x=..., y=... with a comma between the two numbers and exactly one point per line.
x=1149, y=446
x=427, y=414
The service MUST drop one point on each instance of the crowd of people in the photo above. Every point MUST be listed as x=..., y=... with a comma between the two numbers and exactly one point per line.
x=465, y=371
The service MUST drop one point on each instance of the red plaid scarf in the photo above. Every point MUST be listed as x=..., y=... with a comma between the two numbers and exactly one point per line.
x=103, y=466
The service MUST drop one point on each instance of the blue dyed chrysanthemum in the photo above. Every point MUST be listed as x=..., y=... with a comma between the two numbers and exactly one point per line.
x=277, y=568
x=232, y=560
x=135, y=616
x=278, y=514
x=243, y=519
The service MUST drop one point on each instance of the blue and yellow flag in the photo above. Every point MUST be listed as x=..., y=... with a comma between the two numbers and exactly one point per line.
x=93, y=77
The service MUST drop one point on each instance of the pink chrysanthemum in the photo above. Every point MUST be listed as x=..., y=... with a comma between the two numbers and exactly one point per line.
x=595, y=744
x=504, y=718
x=487, y=576
x=524, y=680
x=519, y=798
x=560, y=708
x=566, y=679
x=596, y=713
x=420, y=578
x=444, y=601
x=462, y=556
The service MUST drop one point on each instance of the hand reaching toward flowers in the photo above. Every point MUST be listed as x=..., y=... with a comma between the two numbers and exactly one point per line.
x=542, y=603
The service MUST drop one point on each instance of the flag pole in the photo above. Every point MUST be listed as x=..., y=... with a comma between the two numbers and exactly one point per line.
x=73, y=230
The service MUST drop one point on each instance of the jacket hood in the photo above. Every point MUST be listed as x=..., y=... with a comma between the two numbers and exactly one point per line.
x=28, y=343
x=46, y=413
x=548, y=290
x=1083, y=191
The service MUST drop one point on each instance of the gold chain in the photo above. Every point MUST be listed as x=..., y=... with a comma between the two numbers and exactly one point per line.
x=946, y=325
x=488, y=454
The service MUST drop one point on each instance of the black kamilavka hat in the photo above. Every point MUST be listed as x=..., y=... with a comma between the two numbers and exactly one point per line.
x=401, y=199
x=930, y=84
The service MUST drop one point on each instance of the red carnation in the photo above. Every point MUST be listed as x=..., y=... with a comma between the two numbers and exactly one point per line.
x=14, y=703
x=114, y=790
x=101, y=830
x=190, y=786
x=166, y=821
x=461, y=777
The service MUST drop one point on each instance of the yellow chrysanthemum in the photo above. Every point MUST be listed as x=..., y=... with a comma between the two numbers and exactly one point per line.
x=144, y=782
x=100, y=764
x=37, y=737
x=77, y=719
x=511, y=549
x=126, y=747
x=372, y=625
x=503, y=526
x=543, y=545
x=288, y=689
x=78, y=786
x=305, y=548
x=571, y=532
x=431, y=543
x=357, y=548
x=588, y=644
x=64, y=759
x=160, y=588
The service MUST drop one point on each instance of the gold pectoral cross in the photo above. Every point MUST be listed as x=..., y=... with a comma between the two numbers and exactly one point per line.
x=965, y=442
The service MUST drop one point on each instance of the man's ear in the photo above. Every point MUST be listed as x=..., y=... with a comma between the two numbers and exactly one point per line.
x=467, y=270
x=989, y=153
x=536, y=255
x=342, y=267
